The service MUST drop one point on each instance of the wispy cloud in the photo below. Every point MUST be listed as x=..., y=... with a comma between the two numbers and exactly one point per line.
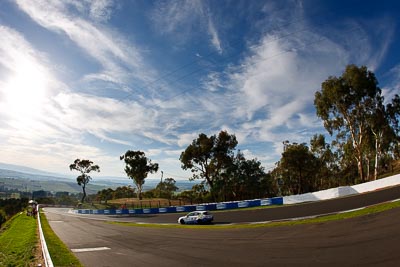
x=272, y=89
x=184, y=18
x=393, y=87
x=121, y=61
x=215, y=40
x=263, y=94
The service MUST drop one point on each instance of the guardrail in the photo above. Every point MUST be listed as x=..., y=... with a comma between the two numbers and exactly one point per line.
x=188, y=208
x=46, y=255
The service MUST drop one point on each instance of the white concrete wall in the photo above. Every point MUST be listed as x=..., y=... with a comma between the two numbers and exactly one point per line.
x=343, y=190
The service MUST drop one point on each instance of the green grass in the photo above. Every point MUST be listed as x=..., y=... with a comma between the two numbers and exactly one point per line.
x=59, y=252
x=18, y=240
x=370, y=210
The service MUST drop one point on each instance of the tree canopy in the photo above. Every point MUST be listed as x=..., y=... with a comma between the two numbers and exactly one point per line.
x=84, y=166
x=207, y=157
x=137, y=167
x=344, y=104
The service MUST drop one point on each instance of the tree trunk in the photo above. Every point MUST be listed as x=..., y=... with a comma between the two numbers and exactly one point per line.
x=360, y=169
x=139, y=193
x=376, y=159
x=377, y=153
x=84, y=193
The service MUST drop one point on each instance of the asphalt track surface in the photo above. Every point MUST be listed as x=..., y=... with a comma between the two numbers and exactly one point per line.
x=371, y=240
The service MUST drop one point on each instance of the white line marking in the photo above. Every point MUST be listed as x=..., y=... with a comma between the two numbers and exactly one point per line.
x=346, y=211
x=89, y=249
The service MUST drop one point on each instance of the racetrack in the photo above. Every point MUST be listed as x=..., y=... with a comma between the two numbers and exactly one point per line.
x=270, y=214
x=368, y=240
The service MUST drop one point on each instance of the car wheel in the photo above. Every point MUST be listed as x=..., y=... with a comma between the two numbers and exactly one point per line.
x=199, y=221
x=182, y=221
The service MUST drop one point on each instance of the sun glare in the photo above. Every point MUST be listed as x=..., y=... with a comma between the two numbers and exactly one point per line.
x=25, y=91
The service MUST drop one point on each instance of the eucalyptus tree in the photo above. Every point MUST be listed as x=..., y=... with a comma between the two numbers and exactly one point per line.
x=393, y=110
x=137, y=167
x=166, y=188
x=209, y=157
x=344, y=104
x=298, y=167
x=246, y=179
x=84, y=166
x=327, y=162
x=105, y=194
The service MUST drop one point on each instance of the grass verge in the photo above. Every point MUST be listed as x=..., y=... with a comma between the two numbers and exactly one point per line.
x=341, y=216
x=59, y=252
x=18, y=240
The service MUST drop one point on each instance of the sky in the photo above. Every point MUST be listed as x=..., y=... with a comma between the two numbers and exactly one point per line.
x=92, y=79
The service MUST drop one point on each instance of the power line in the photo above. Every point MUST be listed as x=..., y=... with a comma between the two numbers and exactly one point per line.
x=169, y=73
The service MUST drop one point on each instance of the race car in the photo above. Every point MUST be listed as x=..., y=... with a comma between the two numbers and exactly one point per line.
x=196, y=217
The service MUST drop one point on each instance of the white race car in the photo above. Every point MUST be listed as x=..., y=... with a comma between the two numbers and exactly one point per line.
x=196, y=217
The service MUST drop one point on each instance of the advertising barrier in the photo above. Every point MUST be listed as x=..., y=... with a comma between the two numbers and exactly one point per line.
x=188, y=208
x=294, y=199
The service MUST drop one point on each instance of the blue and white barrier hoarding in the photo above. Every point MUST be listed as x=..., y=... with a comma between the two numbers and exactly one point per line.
x=98, y=211
x=146, y=210
x=265, y=202
x=243, y=204
x=277, y=201
x=200, y=207
x=162, y=210
x=180, y=209
x=221, y=206
x=189, y=208
x=86, y=211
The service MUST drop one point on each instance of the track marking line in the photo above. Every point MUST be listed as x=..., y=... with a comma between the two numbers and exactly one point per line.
x=89, y=249
x=346, y=211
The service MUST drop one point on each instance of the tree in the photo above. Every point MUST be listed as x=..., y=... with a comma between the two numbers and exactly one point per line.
x=298, y=166
x=344, y=103
x=383, y=132
x=393, y=110
x=123, y=192
x=245, y=179
x=326, y=161
x=208, y=157
x=166, y=188
x=84, y=167
x=105, y=194
x=137, y=167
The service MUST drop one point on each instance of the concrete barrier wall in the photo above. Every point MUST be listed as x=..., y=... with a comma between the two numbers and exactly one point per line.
x=189, y=208
x=343, y=191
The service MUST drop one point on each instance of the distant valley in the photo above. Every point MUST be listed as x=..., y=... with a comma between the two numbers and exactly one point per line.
x=24, y=179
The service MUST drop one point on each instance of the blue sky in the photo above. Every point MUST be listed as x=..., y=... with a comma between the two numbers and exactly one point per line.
x=92, y=79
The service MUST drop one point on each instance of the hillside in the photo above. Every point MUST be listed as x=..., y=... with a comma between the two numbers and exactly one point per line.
x=28, y=182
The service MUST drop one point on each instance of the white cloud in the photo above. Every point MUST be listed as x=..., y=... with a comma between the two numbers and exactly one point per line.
x=120, y=60
x=266, y=98
x=49, y=130
x=393, y=87
x=214, y=36
x=183, y=18
x=100, y=10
